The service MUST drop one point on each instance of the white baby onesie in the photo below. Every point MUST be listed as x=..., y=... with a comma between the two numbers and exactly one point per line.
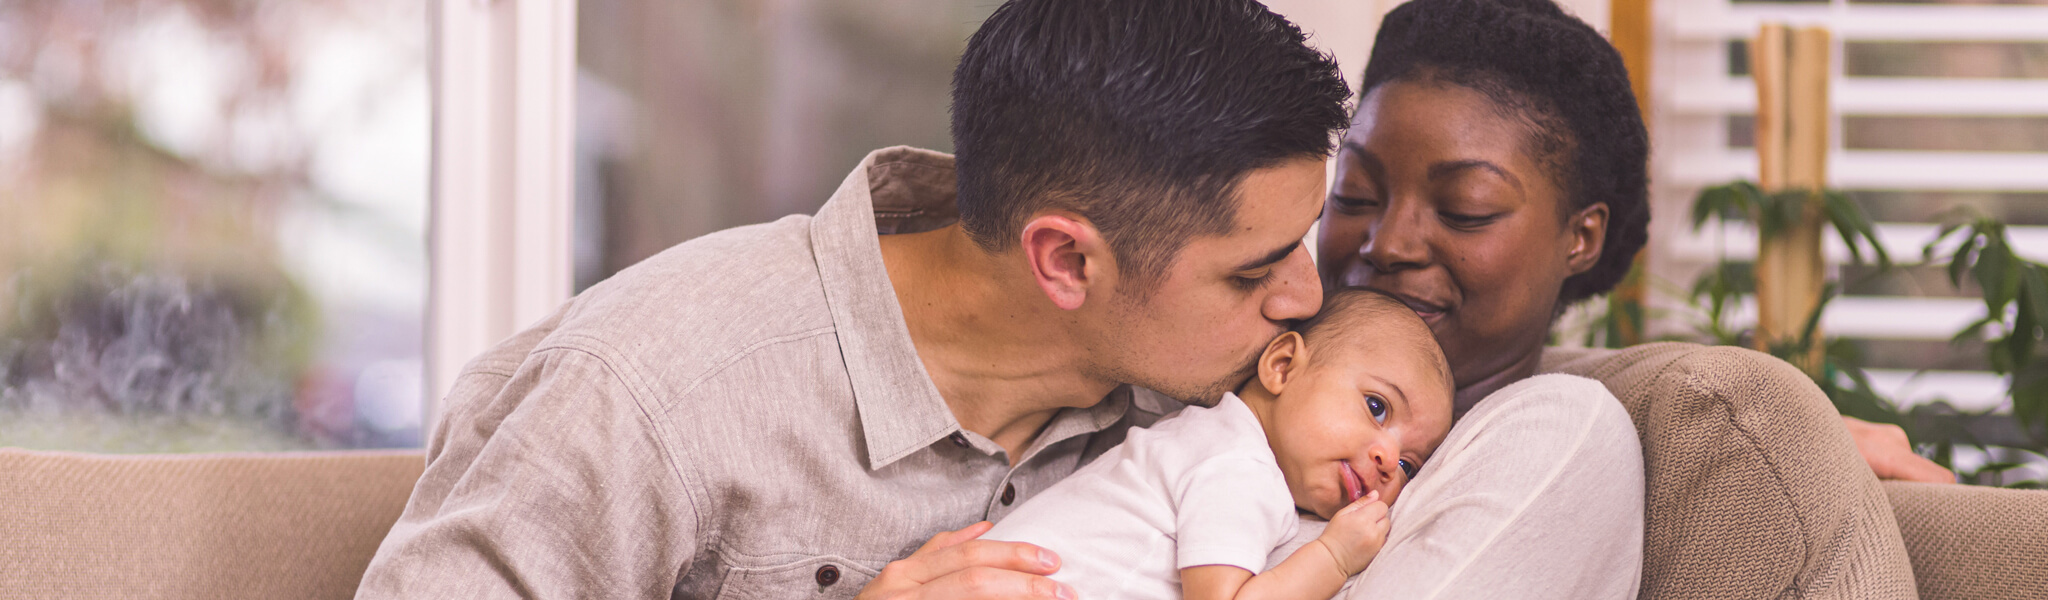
x=1199, y=488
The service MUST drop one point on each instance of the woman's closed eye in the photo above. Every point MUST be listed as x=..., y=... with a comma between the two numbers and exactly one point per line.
x=1468, y=221
x=1354, y=203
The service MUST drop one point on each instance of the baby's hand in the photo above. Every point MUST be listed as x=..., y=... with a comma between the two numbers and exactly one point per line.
x=1356, y=533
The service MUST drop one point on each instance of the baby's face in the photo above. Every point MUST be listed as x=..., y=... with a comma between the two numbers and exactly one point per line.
x=1361, y=416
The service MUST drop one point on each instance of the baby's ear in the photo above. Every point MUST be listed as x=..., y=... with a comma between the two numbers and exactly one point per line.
x=1281, y=361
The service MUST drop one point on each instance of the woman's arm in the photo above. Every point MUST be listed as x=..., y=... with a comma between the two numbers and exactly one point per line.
x=1890, y=455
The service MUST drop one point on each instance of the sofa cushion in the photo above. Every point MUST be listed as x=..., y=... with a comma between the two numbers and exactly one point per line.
x=196, y=526
x=1754, y=489
x=1970, y=542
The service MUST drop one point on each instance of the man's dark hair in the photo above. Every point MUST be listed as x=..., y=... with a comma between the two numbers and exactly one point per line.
x=1139, y=115
x=1543, y=66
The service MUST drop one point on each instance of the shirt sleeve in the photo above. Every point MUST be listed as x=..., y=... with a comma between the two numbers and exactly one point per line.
x=1231, y=511
x=544, y=480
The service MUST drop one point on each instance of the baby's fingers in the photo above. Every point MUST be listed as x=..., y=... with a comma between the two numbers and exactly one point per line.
x=1369, y=498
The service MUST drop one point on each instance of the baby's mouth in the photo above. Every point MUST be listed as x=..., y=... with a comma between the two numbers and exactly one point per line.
x=1354, y=486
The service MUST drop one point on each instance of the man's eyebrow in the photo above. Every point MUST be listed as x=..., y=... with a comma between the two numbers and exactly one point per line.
x=1446, y=169
x=1270, y=257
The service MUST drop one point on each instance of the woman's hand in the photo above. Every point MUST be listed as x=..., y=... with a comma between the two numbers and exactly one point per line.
x=1890, y=455
x=956, y=565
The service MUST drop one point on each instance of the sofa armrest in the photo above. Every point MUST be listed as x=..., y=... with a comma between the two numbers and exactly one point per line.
x=1973, y=542
x=1753, y=488
x=299, y=525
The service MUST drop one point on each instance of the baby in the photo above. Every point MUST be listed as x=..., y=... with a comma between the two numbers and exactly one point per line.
x=1340, y=415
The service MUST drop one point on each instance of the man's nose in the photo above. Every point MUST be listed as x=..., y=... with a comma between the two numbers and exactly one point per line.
x=1299, y=293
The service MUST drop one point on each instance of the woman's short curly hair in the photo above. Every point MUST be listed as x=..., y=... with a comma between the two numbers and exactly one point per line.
x=1554, y=71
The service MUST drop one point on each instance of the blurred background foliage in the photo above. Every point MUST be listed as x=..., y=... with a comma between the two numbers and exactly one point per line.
x=205, y=202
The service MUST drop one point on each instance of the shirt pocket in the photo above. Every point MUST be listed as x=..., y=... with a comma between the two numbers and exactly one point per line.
x=816, y=577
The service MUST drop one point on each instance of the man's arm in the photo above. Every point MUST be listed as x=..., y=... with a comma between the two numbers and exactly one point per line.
x=548, y=481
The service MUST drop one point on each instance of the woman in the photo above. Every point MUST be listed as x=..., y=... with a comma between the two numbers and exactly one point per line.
x=1495, y=173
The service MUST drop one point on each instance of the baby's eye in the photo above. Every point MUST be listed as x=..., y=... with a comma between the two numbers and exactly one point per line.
x=1408, y=468
x=1378, y=408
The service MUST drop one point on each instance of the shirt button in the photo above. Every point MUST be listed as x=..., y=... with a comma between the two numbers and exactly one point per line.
x=958, y=439
x=1009, y=493
x=827, y=575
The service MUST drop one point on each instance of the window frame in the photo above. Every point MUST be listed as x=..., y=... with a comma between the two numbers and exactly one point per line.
x=499, y=227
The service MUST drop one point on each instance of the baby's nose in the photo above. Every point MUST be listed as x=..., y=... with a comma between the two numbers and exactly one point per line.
x=1383, y=460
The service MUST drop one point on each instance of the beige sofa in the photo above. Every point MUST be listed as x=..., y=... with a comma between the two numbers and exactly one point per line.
x=1755, y=491
x=196, y=526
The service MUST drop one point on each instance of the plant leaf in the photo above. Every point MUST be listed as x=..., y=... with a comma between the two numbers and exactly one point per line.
x=1961, y=260
x=2030, y=400
x=1972, y=332
x=1855, y=227
x=1782, y=211
x=1997, y=270
x=1711, y=201
x=1827, y=294
x=2034, y=293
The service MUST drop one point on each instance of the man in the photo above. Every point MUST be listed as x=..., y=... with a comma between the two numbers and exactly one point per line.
x=793, y=408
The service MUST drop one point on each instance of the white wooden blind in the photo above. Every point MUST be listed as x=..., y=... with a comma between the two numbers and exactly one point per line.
x=1693, y=96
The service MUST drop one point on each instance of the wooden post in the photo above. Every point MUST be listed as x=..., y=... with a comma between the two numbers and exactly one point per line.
x=1629, y=28
x=1791, y=71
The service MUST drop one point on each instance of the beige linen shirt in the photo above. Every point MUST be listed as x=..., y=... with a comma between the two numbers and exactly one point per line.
x=740, y=416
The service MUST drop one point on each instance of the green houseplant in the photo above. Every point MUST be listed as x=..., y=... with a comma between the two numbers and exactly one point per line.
x=2014, y=291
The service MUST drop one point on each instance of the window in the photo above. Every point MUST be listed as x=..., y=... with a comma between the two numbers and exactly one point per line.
x=1938, y=104
x=212, y=222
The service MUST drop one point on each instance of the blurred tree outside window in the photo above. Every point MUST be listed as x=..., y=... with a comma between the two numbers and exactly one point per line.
x=211, y=224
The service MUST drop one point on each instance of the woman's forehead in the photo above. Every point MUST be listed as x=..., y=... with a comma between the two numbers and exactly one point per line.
x=1440, y=114
x=1426, y=127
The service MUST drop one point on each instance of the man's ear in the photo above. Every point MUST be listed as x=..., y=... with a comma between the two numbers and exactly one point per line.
x=1068, y=258
x=1282, y=361
x=1588, y=229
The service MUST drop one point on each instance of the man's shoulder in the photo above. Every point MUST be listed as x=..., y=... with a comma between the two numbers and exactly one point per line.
x=702, y=303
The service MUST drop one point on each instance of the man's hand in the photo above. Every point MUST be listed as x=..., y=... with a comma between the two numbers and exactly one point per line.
x=1356, y=533
x=956, y=565
x=1890, y=455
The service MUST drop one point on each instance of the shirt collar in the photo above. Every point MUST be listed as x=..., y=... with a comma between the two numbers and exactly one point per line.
x=901, y=190
x=894, y=190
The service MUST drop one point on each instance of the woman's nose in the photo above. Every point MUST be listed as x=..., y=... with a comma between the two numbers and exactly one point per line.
x=1395, y=242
